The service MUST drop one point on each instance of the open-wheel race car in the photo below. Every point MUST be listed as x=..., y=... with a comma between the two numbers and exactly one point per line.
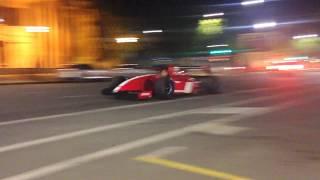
x=166, y=82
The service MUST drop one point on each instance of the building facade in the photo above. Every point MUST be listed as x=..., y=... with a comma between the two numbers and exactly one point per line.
x=48, y=33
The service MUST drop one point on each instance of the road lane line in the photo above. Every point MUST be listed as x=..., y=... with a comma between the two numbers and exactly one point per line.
x=74, y=162
x=119, y=125
x=189, y=168
x=90, y=131
x=94, y=111
x=34, y=119
x=221, y=129
x=87, y=158
x=164, y=152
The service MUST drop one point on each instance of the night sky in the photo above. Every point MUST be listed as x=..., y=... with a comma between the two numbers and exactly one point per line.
x=185, y=13
x=179, y=18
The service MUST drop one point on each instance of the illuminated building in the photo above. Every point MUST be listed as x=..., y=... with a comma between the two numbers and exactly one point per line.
x=47, y=33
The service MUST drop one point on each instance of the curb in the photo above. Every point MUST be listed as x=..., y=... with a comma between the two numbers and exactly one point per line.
x=50, y=82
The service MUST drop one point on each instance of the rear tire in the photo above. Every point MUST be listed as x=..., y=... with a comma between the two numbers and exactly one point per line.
x=211, y=85
x=164, y=88
x=114, y=83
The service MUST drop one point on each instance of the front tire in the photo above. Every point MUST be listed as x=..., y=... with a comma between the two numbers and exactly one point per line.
x=164, y=88
x=114, y=83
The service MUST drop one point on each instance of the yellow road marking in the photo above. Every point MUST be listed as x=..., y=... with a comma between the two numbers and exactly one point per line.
x=190, y=168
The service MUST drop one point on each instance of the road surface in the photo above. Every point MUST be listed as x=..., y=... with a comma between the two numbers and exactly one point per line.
x=262, y=127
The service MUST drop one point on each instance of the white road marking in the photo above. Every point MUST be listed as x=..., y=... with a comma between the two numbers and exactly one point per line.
x=211, y=109
x=93, y=111
x=164, y=152
x=64, y=165
x=91, y=131
x=26, y=120
x=220, y=129
x=77, y=161
x=117, y=125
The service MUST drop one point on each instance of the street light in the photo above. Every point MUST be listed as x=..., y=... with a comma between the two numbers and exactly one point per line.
x=265, y=25
x=152, y=31
x=2, y=20
x=305, y=36
x=248, y=3
x=214, y=15
x=218, y=45
x=37, y=29
x=127, y=40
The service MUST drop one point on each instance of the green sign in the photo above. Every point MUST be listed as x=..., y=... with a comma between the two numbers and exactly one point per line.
x=210, y=26
x=221, y=52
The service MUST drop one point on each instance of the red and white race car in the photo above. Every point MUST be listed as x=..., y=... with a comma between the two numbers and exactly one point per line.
x=163, y=85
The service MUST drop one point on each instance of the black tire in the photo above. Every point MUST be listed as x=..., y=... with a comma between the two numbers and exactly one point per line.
x=114, y=83
x=164, y=88
x=210, y=85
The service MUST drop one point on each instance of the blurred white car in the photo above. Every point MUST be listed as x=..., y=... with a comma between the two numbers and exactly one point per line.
x=86, y=71
x=83, y=71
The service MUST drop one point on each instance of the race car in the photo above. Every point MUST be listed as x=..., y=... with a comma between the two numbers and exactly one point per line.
x=168, y=82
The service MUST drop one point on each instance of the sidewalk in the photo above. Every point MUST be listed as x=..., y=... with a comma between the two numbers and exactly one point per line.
x=43, y=78
x=29, y=79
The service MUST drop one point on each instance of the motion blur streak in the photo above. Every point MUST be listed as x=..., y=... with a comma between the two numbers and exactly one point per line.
x=305, y=36
x=218, y=45
x=296, y=22
x=285, y=67
x=233, y=68
x=294, y=59
x=152, y=31
x=37, y=29
x=126, y=40
x=213, y=15
x=247, y=3
x=265, y=25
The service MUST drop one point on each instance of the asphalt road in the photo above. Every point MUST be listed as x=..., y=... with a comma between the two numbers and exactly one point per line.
x=262, y=127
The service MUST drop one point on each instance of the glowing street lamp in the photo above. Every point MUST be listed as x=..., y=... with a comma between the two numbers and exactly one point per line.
x=152, y=31
x=127, y=40
x=37, y=29
x=252, y=2
x=265, y=25
x=214, y=15
x=305, y=36
x=218, y=45
x=2, y=20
